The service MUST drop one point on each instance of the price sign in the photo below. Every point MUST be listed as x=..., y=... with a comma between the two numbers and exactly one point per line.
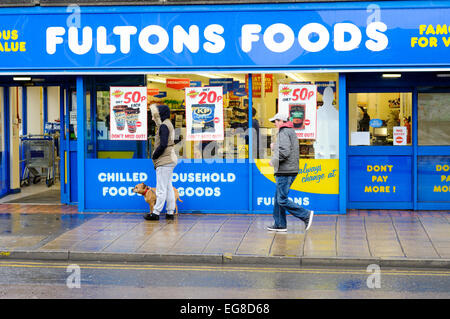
x=204, y=114
x=299, y=101
x=128, y=113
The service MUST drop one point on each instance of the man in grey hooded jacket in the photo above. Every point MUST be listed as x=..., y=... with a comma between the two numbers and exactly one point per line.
x=285, y=161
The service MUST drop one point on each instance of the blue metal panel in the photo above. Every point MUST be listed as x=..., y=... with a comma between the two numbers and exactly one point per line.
x=433, y=178
x=380, y=179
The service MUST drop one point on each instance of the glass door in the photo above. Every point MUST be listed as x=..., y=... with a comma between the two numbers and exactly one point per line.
x=433, y=160
x=380, y=152
x=68, y=146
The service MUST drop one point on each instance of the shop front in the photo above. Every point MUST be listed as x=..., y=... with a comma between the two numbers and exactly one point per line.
x=365, y=141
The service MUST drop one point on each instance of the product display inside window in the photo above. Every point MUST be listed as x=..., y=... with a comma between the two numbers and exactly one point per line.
x=380, y=119
x=210, y=114
x=186, y=100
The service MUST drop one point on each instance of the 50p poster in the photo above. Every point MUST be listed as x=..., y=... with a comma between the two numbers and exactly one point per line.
x=128, y=113
x=299, y=101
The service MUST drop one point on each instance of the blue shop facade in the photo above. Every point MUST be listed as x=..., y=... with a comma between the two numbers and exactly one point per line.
x=380, y=72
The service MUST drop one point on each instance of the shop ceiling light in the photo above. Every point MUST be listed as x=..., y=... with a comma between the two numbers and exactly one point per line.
x=22, y=78
x=294, y=77
x=159, y=80
x=211, y=76
x=443, y=75
x=392, y=75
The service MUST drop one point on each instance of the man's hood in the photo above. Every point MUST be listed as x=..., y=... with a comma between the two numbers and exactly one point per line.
x=160, y=113
x=287, y=124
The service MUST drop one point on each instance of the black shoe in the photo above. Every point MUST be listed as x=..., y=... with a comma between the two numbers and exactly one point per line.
x=170, y=216
x=151, y=216
x=276, y=228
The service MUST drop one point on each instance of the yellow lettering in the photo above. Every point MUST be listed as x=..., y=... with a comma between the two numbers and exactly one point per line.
x=430, y=30
x=22, y=47
x=441, y=29
x=433, y=42
x=446, y=41
x=414, y=41
x=423, y=42
x=14, y=35
x=422, y=28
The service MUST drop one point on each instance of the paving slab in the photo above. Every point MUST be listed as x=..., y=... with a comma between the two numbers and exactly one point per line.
x=359, y=237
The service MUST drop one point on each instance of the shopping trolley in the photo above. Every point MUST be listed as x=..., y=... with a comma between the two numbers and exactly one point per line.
x=39, y=152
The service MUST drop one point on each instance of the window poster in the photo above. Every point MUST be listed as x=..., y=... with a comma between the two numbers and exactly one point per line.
x=204, y=114
x=299, y=101
x=128, y=113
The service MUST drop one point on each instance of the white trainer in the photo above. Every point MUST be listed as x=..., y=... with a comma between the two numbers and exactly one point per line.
x=311, y=215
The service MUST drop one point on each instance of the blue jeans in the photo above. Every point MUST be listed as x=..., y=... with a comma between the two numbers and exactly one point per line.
x=282, y=203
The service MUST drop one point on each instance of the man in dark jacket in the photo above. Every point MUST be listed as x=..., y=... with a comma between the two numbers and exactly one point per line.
x=164, y=160
x=285, y=161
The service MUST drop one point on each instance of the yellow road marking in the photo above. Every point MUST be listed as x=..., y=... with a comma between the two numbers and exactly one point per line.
x=15, y=264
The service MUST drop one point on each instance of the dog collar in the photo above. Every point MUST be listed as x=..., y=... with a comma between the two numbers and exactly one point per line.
x=146, y=190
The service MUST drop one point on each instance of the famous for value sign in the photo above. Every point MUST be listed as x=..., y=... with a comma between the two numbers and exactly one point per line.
x=204, y=114
x=299, y=101
x=128, y=113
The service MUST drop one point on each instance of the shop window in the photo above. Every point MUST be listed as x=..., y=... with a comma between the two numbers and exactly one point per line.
x=433, y=118
x=380, y=119
x=171, y=90
x=233, y=145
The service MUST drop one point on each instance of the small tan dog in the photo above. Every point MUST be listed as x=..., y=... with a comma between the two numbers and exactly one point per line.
x=149, y=194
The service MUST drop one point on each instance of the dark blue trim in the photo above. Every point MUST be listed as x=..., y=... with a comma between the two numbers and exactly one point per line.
x=233, y=7
x=250, y=144
x=380, y=205
x=380, y=150
x=343, y=128
x=45, y=106
x=63, y=191
x=6, y=130
x=433, y=206
x=24, y=111
x=414, y=146
x=433, y=150
x=81, y=140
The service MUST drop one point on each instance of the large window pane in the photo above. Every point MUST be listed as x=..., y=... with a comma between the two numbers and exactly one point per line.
x=434, y=118
x=380, y=118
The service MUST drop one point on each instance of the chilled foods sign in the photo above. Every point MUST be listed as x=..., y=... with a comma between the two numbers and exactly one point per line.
x=128, y=113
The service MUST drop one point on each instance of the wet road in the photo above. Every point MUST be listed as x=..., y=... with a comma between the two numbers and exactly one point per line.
x=34, y=279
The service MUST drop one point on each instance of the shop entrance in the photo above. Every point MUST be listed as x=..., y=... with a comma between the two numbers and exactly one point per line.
x=33, y=110
x=380, y=155
x=400, y=157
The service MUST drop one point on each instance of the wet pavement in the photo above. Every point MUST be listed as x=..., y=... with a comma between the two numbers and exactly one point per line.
x=392, y=238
